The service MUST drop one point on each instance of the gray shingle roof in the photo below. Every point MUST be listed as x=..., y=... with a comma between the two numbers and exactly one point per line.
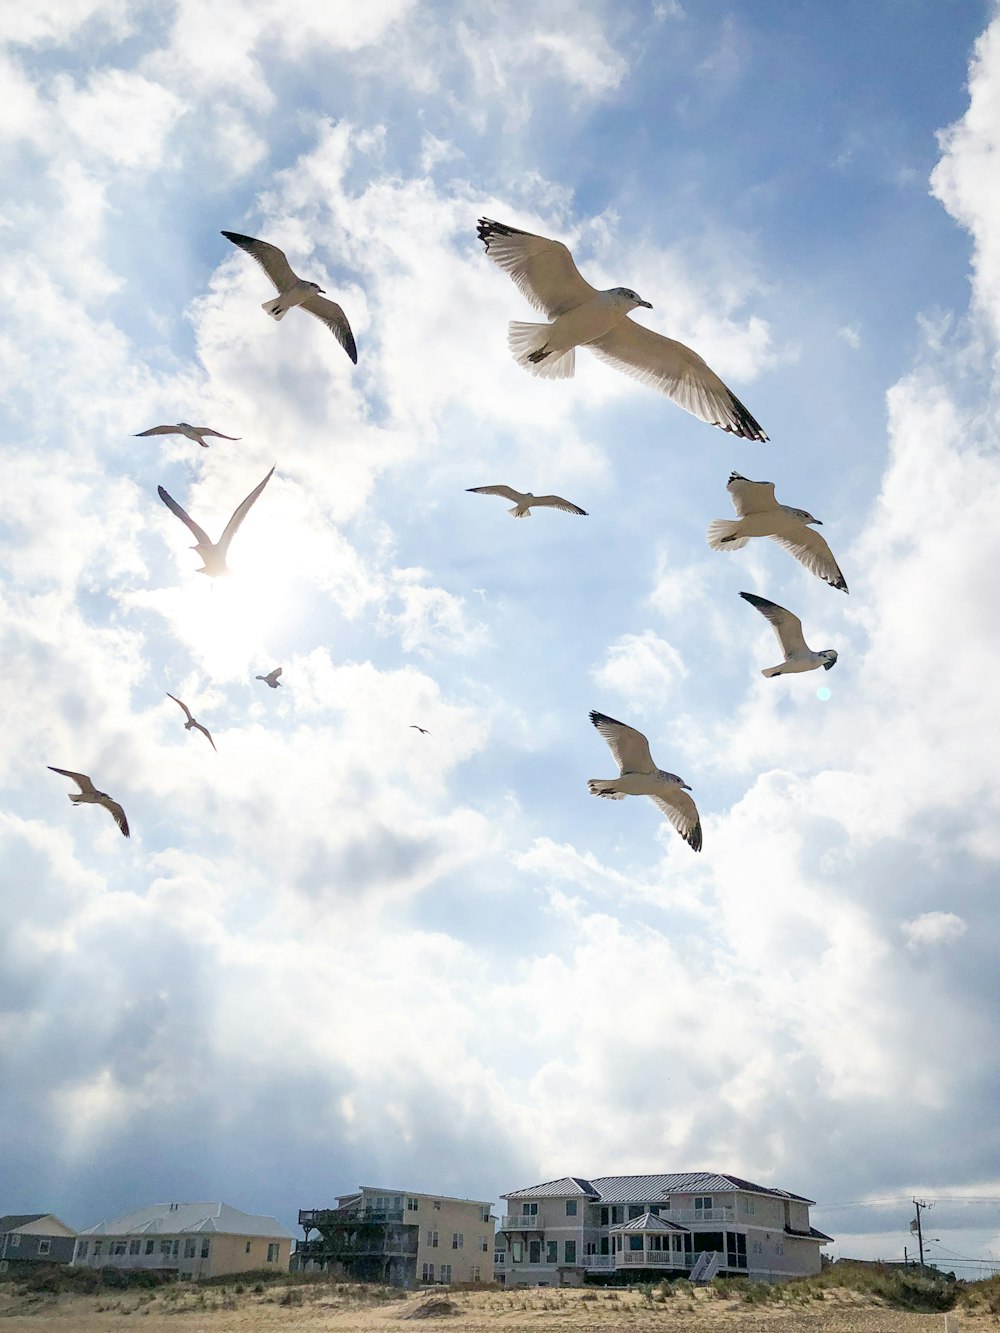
x=648, y=1189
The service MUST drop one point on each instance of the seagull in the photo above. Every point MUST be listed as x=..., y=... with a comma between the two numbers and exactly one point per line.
x=545, y=273
x=271, y=678
x=423, y=730
x=183, y=428
x=760, y=515
x=190, y=720
x=293, y=290
x=641, y=777
x=214, y=553
x=788, y=627
x=524, y=502
x=89, y=795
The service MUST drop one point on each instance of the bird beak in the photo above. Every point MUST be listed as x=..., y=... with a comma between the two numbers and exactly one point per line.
x=646, y=304
x=323, y=290
x=818, y=522
x=685, y=787
x=828, y=665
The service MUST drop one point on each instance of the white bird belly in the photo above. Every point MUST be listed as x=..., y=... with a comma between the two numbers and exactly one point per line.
x=593, y=319
x=640, y=784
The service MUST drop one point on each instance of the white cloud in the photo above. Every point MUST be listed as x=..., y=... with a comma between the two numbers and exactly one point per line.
x=643, y=668
x=933, y=928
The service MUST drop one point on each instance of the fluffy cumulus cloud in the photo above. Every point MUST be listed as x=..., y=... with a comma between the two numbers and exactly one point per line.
x=340, y=947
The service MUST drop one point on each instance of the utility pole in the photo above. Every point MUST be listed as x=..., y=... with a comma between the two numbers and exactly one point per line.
x=915, y=1226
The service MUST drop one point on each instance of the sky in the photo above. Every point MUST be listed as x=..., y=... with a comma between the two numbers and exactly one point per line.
x=341, y=952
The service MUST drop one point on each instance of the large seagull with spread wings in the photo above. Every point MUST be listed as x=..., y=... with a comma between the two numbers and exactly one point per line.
x=89, y=795
x=641, y=777
x=582, y=316
x=214, y=553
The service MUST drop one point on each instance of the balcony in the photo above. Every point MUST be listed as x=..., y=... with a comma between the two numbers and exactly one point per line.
x=655, y=1258
x=689, y=1215
x=598, y=1261
x=533, y=1223
x=325, y=1217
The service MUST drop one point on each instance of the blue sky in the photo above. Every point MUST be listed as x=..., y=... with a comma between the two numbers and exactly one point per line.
x=342, y=952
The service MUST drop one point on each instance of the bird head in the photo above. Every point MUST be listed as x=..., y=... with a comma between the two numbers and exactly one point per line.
x=317, y=288
x=672, y=777
x=626, y=297
x=185, y=425
x=804, y=516
x=829, y=656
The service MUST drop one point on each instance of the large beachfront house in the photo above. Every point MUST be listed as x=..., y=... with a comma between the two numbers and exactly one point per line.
x=634, y=1228
x=382, y=1235
x=193, y=1240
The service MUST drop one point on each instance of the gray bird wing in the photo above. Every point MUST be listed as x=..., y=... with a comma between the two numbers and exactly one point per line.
x=205, y=732
x=184, y=516
x=268, y=256
x=557, y=502
x=787, y=627
x=273, y=675
x=543, y=269
x=750, y=497
x=217, y=434
x=629, y=747
x=678, y=372
x=682, y=812
x=507, y=492
x=811, y=550
x=335, y=320
x=187, y=711
x=233, y=526
x=81, y=779
x=115, y=810
x=157, y=430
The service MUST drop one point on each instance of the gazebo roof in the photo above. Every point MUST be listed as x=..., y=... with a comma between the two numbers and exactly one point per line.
x=647, y=1222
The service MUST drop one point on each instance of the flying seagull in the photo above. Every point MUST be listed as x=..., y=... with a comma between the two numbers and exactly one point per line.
x=271, y=678
x=190, y=720
x=214, y=553
x=89, y=795
x=423, y=730
x=582, y=316
x=524, y=502
x=641, y=777
x=760, y=515
x=788, y=627
x=293, y=290
x=183, y=428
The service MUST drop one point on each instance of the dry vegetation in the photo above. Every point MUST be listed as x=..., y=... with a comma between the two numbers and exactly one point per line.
x=839, y=1300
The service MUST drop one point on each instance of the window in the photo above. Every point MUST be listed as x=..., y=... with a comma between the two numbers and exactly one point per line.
x=432, y=1239
x=15, y=1240
x=445, y=1273
x=617, y=1214
x=635, y=1210
x=98, y=1245
x=486, y=1212
x=635, y=1242
x=604, y=1245
x=189, y=1249
x=665, y=1205
x=150, y=1246
x=134, y=1246
x=749, y=1207
x=436, y=1205
x=779, y=1248
x=166, y=1246
x=474, y=1274
x=412, y=1205
x=117, y=1247
x=44, y=1246
x=571, y=1208
x=272, y=1252
x=176, y=1246
x=604, y=1217
x=529, y=1209
x=205, y=1247
x=534, y=1251
x=81, y=1250
x=703, y=1204
x=551, y=1252
x=484, y=1244
x=499, y=1257
x=457, y=1240
x=516, y=1251
x=569, y=1251
x=248, y=1247
x=428, y=1273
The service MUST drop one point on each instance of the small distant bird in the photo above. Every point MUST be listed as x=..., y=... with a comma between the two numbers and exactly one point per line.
x=293, y=290
x=192, y=432
x=271, y=678
x=190, y=720
x=582, y=316
x=423, y=730
x=89, y=795
x=760, y=515
x=788, y=627
x=214, y=553
x=525, y=502
x=641, y=777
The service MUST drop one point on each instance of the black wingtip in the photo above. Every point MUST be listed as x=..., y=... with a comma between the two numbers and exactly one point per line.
x=747, y=427
x=597, y=718
x=736, y=476
x=693, y=839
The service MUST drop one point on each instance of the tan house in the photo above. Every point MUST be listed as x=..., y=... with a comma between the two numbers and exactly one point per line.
x=635, y=1228
x=193, y=1240
x=404, y=1238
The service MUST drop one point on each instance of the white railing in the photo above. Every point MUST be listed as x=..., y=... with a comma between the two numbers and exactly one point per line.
x=709, y=1263
x=700, y=1214
x=598, y=1261
x=532, y=1223
x=653, y=1258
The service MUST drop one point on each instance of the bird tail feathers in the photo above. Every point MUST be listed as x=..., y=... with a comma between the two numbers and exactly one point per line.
x=604, y=787
x=527, y=345
x=723, y=535
x=274, y=309
x=518, y=512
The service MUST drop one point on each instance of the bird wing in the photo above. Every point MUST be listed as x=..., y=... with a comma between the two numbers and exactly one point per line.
x=184, y=516
x=187, y=711
x=115, y=810
x=678, y=372
x=268, y=256
x=811, y=550
x=205, y=732
x=273, y=675
x=543, y=269
x=335, y=320
x=233, y=526
x=156, y=430
x=682, y=812
x=787, y=627
x=557, y=502
x=507, y=492
x=750, y=497
x=81, y=779
x=629, y=747
x=217, y=434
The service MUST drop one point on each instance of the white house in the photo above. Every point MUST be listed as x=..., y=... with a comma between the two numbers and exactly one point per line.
x=620, y=1228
